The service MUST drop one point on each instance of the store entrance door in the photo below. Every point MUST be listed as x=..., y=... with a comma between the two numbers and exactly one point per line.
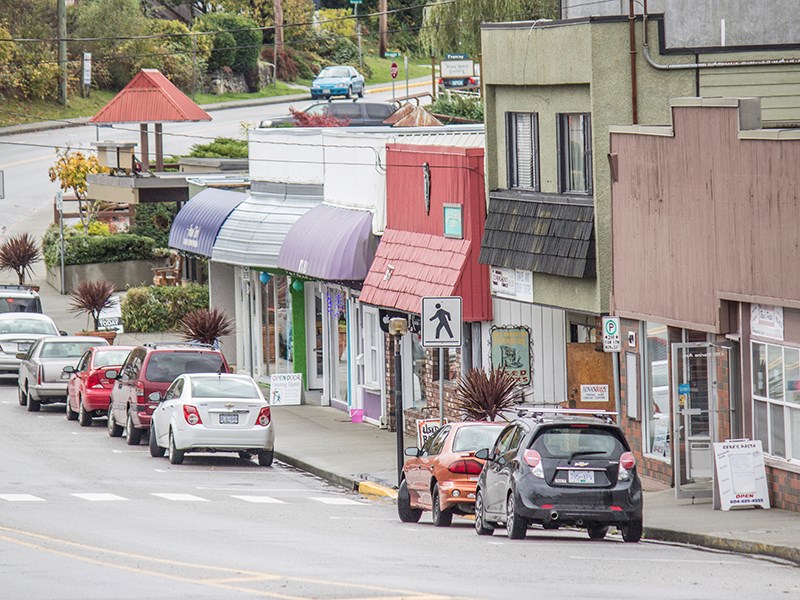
x=695, y=407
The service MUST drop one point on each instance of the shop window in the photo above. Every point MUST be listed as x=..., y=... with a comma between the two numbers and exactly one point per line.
x=776, y=399
x=419, y=360
x=522, y=133
x=277, y=343
x=657, y=405
x=575, y=153
x=373, y=348
x=450, y=364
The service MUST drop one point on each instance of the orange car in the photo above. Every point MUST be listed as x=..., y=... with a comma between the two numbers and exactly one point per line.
x=441, y=476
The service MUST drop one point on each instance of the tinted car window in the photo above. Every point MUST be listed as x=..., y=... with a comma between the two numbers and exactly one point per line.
x=30, y=305
x=379, y=111
x=164, y=367
x=317, y=109
x=174, y=390
x=501, y=447
x=27, y=326
x=84, y=362
x=110, y=357
x=475, y=437
x=426, y=447
x=438, y=443
x=346, y=110
x=65, y=349
x=569, y=441
x=217, y=387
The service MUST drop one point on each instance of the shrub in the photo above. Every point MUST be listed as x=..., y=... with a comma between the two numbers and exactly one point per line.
x=150, y=309
x=221, y=148
x=239, y=33
x=484, y=396
x=82, y=249
x=17, y=254
x=90, y=298
x=154, y=220
x=457, y=105
x=206, y=325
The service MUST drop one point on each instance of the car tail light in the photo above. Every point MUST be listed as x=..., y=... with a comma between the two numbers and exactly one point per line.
x=39, y=375
x=264, y=417
x=139, y=391
x=534, y=460
x=191, y=415
x=626, y=463
x=441, y=80
x=471, y=80
x=466, y=467
x=94, y=381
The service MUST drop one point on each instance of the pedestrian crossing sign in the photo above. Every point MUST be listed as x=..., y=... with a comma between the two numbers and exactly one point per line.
x=442, y=322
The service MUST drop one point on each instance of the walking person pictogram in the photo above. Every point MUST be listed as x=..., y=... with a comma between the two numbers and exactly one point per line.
x=444, y=321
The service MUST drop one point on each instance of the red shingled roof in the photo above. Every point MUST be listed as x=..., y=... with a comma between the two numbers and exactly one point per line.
x=422, y=265
x=150, y=98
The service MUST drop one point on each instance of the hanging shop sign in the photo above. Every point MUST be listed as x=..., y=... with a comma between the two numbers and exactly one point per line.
x=511, y=350
x=594, y=393
x=514, y=284
x=766, y=321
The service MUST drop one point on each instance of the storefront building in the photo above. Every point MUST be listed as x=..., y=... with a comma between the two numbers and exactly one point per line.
x=705, y=246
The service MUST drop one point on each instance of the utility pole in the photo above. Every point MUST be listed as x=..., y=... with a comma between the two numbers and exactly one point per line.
x=277, y=47
x=62, y=50
x=383, y=28
x=355, y=4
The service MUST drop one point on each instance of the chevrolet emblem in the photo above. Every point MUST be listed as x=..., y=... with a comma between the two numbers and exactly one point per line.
x=229, y=406
x=581, y=464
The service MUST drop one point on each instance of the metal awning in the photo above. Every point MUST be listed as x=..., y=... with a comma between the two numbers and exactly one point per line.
x=331, y=243
x=253, y=233
x=198, y=223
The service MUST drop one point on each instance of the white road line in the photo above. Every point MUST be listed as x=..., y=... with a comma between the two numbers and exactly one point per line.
x=260, y=499
x=100, y=497
x=21, y=498
x=339, y=501
x=129, y=451
x=7, y=402
x=181, y=497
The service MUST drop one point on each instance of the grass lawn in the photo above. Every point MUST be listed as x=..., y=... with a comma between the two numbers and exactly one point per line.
x=15, y=112
x=381, y=67
x=270, y=91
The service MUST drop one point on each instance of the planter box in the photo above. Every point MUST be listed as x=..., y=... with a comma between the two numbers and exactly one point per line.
x=122, y=274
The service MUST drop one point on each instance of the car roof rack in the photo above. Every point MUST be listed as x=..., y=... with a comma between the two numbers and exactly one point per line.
x=16, y=288
x=540, y=413
x=156, y=345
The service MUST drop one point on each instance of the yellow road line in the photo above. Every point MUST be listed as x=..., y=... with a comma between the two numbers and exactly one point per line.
x=28, y=161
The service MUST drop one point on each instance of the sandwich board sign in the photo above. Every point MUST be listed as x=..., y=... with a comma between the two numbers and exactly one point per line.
x=442, y=322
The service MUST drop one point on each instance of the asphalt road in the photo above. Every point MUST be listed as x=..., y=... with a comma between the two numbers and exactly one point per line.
x=84, y=516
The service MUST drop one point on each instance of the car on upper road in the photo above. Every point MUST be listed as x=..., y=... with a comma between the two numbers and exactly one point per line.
x=567, y=467
x=212, y=412
x=356, y=113
x=152, y=368
x=41, y=370
x=19, y=298
x=88, y=388
x=460, y=83
x=337, y=81
x=441, y=476
x=18, y=332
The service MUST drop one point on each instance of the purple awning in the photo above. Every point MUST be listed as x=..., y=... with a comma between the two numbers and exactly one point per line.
x=197, y=224
x=330, y=243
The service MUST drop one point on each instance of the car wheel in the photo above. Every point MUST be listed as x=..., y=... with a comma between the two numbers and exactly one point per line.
x=114, y=430
x=33, y=405
x=404, y=510
x=84, y=417
x=441, y=518
x=175, y=455
x=516, y=526
x=361, y=93
x=23, y=397
x=71, y=414
x=632, y=532
x=132, y=435
x=265, y=458
x=156, y=451
x=349, y=93
x=598, y=532
x=481, y=526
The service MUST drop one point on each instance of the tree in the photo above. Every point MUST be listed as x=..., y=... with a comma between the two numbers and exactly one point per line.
x=71, y=169
x=91, y=297
x=18, y=254
x=455, y=27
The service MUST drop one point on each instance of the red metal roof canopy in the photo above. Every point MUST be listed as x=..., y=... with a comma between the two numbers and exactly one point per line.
x=150, y=98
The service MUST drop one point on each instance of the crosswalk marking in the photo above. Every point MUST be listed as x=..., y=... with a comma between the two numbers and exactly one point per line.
x=338, y=501
x=21, y=498
x=100, y=497
x=259, y=499
x=181, y=497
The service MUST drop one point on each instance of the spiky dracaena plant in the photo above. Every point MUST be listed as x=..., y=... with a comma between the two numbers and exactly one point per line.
x=91, y=297
x=17, y=254
x=206, y=325
x=483, y=396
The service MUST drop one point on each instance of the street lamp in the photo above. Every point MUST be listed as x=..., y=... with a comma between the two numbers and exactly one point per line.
x=398, y=327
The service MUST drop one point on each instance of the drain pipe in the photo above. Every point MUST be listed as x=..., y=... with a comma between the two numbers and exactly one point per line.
x=632, y=32
x=708, y=65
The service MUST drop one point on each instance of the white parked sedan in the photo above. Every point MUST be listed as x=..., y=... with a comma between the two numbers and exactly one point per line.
x=212, y=412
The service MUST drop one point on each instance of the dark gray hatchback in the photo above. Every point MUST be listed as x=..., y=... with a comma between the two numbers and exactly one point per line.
x=560, y=467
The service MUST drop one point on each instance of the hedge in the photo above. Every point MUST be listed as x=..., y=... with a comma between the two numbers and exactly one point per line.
x=81, y=249
x=149, y=309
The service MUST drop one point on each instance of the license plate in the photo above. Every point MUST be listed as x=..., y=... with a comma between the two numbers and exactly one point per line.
x=580, y=476
x=229, y=419
x=23, y=346
x=455, y=82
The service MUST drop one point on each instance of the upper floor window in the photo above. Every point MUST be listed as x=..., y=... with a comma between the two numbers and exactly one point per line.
x=575, y=152
x=522, y=133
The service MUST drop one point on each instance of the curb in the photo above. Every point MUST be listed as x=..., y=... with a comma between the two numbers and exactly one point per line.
x=340, y=480
x=370, y=488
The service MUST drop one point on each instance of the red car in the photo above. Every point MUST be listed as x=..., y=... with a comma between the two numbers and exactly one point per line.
x=88, y=389
x=441, y=476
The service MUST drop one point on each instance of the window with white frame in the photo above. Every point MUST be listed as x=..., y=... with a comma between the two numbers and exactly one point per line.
x=373, y=347
x=776, y=399
x=522, y=133
x=575, y=153
x=656, y=391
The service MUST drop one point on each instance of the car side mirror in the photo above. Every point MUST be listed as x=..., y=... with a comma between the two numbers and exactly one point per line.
x=412, y=451
x=155, y=397
x=61, y=332
x=111, y=374
x=68, y=369
x=483, y=454
x=21, y=355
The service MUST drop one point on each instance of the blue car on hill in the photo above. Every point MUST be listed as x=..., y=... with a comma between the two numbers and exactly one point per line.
x=338, y=81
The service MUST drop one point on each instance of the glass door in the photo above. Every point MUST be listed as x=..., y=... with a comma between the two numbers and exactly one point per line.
x=314, y=336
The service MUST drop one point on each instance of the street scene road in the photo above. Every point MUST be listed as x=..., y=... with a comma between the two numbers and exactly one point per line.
x=85, y=516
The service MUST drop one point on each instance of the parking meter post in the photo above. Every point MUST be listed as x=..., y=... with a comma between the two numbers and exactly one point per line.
x=392, y=90
x=398, y=407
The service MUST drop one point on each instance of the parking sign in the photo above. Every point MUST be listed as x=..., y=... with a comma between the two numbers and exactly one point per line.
x=441, y=322
x=612, y=340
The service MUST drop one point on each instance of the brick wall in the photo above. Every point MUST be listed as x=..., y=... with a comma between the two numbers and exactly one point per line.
x=784, y=489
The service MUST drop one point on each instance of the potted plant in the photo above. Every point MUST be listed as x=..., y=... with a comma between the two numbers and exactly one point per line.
x=91, y=297
x=206, y=326
x=17, y=254
x=484, y=396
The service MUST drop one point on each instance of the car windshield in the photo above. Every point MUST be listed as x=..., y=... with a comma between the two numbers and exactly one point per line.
x=65, y=349
x=475, y=437
x=570, y=441
x=12, y=305
x=110, y=357
x=28, y=326
x=334, y=72
x=223, y=387
x=316, y=109
x=164, y=367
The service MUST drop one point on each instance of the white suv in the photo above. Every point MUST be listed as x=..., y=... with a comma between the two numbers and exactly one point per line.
x=19, y=298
